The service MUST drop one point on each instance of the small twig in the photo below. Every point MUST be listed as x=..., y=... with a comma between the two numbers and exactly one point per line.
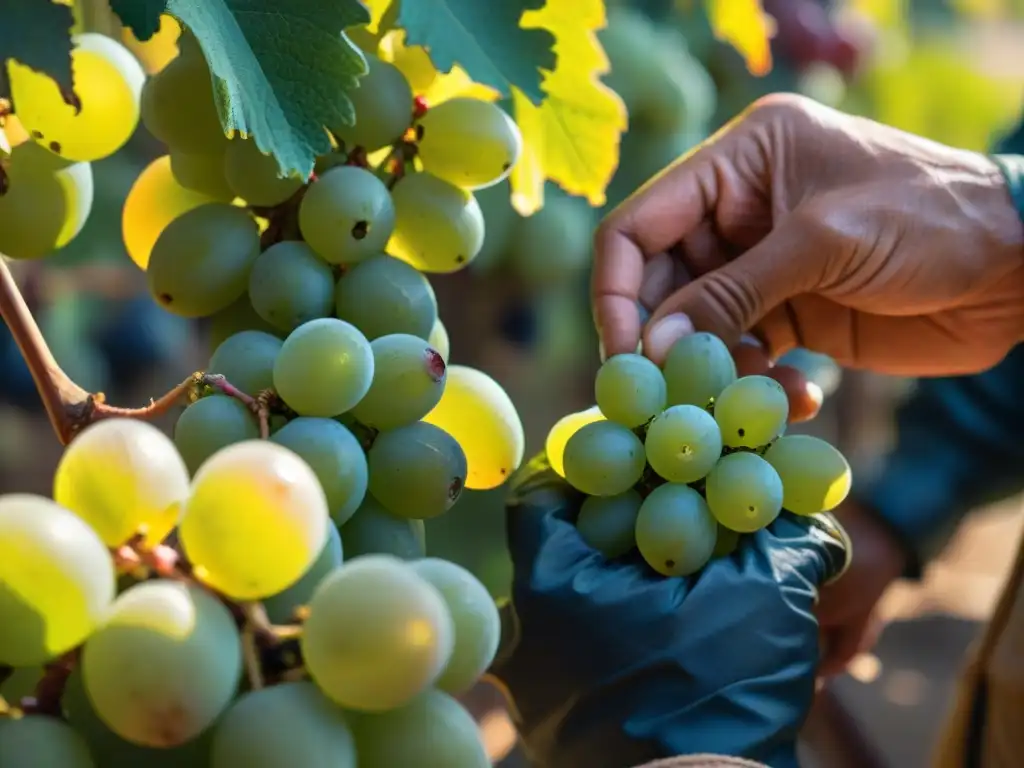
x=251, y=656
x=218, y=382
x=49, y=690
x=263, y=403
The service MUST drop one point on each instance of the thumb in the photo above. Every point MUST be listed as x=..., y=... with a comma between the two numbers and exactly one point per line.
x=730, y=300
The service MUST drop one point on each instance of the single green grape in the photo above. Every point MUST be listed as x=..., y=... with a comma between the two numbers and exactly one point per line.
x=290, y=285
x=56, y=580
x=608, y=523
x=683, y=443
x=815, y=475
x=630, y=390
x=438, y=227
x=384, y=295
x=202, y=173
x=246, y=359
x=165, y=647
x=468, y=142
x=336, y=457
x=372, y=530
x=377, y=634
x=698, y=367
x=476, y=620
x=324, y=368
x=501, y=226
x=201, y=261
x=281, y=607
x=751, y=412
x=604, y=459
x=212, y=423
x=42, y=740
x=383, y=108
x=417, y=471
x=256, y=177
x=347, y=215
x=408, y=381
x=744, y=492
x=555, y=244
x=675, y=530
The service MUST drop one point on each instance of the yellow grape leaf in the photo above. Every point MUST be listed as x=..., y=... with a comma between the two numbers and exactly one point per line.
x=573, y=137
x=377, y=9
x=744, y=25
x=414, y=62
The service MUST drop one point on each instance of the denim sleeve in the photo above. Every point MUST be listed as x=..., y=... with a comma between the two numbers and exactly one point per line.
x=959, y=445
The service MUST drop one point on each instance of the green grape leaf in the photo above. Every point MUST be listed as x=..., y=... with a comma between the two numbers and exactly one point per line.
x=142, y=17
x=485, y=38
x=38, y=35
x=282, y=70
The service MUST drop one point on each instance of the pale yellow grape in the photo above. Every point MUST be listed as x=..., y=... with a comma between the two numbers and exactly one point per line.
x=482, y=418
x=383, y=108
x=108, y=82
x=815, y=475
x=202, y=173
x=255, y=176
x=744, y=492
x=468, y=142
x=154, y=201
x=123, y=476
x=751, y=412
x=698, y=367
x=563, y=429
x=56, y=580
x=255, y=520
x=439, y=340
x=604, y=459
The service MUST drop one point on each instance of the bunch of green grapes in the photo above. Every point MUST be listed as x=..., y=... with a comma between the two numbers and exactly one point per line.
x=680, y=461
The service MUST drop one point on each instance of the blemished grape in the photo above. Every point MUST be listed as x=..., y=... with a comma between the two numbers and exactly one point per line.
x=432, y=731
x=383, y=108
x=683, y=443
x=255, y=176
x=815, y=476
x=608, y=523
x=377, y=634
x=164, y=664
x=347, y=215
x=108, y=83
x=384, y=295
x=123, y=477
x=555, y=243
x=282, y=606
x=630, y=390
x=290, y=285
x=476, y=620
x=41, y=740
x=408, y=381
x=727, y=542
x=417, y=471
x=439, y=340
x=255, y=520
x=744, y=492
x=324, y=368
x=56, y=580
x=565, y=428
x=698, y=367
x=336, y=457
x=203, y=174
x=201, y=261
x=246, y=359
x=604, y=459
x=212, y=423
x=178, y=105
x=482, y=418
x=154, y=201
x=286, y=725
x=751, y=412
x=675, y=531
x=372, y=530
x=438, y=226
x=46, y=202
x=468, y=142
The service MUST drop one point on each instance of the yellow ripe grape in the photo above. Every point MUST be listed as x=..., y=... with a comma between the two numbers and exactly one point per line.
x=154, y=201
x=564, y=428
x=123, y=477
x=157, y=52
x=256, y=520
x=479, y=414
x=108, y=82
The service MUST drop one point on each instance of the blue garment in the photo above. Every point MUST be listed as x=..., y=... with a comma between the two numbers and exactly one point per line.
x=610, y=665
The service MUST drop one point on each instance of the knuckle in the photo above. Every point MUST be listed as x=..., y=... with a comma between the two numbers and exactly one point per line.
x=783, y=105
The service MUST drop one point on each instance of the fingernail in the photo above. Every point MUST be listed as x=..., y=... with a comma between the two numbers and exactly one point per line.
x=601, y=353
x=666, y=332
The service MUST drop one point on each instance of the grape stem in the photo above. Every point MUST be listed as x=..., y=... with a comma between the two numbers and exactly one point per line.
x=46, y=699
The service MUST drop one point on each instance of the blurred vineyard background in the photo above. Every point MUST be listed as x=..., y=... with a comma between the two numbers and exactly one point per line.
x=952, y=70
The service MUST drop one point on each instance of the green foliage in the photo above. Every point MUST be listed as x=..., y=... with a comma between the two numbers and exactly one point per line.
x=38, y=34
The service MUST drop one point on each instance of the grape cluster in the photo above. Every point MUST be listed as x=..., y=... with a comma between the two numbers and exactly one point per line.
x=680, y=461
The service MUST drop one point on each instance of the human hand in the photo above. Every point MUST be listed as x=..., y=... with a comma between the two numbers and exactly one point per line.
x=814, y=228
x=847, y=610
